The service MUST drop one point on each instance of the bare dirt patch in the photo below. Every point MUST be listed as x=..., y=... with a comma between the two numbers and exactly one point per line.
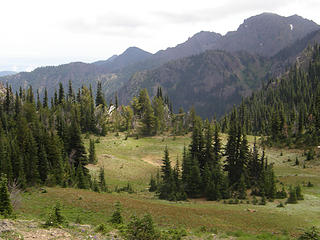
x=153, y=160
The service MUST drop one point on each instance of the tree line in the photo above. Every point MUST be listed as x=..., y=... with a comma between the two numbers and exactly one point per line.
x=41, y=139
x=286, y=109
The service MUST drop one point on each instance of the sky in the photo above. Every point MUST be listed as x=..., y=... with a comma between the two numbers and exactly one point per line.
x=38, y=33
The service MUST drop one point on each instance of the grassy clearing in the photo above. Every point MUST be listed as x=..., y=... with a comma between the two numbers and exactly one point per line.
x=134, y=160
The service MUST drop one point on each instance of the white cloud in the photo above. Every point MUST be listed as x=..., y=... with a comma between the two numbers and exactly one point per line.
x=43, y=32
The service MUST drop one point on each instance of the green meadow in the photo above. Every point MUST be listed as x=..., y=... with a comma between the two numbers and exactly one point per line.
x=135, y=160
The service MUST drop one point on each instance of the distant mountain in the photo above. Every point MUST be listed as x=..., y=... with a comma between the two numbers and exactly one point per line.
x=266, y=34
x=129, y=57
x=50, y=76
x=212, y=81
x=7, y=73
x=110, y=59
x=198, y=43
x=80, y=73
x=277, y=40
x=216, y=80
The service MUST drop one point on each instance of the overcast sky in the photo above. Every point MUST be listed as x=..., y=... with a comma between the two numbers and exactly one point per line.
x=42, y=32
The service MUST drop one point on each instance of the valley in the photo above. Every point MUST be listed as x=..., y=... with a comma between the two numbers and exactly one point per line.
x=215, y=138
x=125, y=161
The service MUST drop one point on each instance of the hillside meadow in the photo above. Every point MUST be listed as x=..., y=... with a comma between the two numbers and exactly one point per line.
x=135, y=160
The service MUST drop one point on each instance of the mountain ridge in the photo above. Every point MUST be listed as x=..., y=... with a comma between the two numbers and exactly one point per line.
x=115, y=73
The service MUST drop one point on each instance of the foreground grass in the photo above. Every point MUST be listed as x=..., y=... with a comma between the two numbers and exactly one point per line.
x=94, y=208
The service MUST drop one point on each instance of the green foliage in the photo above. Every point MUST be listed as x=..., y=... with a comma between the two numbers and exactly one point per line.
x=10, y=235
x=311, y=234
x=142, y=229
x=152, y=185
x=5, y=202
x=173, y=234
x=55, y=217
x=299, y=192
x=292, y=199
x=267, y=236
x=99, y=96
x=101, y=228
x=128, y=188
x=280, y=205
x=92, y=152
x=309, y=184
x=287, y=109
x=146, y=113
x=116, y=217
x=102, y=182
x=263, y=200
x=170, y=188
x=82, y=182
x=281, y=194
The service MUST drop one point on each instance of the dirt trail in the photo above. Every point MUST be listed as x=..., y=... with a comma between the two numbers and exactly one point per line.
x=153, y=160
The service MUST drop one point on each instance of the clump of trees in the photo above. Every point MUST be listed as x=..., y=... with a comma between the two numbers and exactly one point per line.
x=204, y=174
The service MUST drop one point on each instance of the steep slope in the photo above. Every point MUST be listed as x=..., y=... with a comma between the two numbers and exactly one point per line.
x=201, y=72
x=198, y=43
x=212, y=81
x=266, y=34
x=287, y=109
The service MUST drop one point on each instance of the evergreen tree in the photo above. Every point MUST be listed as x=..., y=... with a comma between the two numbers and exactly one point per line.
x=82, y=182
x=299, y=192
x=147, y=115
x=45, y=98
x=292, y=196
x=55, y=158
x=43, y=164
x=70, y=97
x=242, y=188
x=99, y=97
x=61, y=94
x=76, y=147
x=232, y=151
x=194, y=186
x=5, y=202
x=102, y=181
x=166, y=187
x=152, y=184
x=216, y=146
x=92, y=153
x=116, y=217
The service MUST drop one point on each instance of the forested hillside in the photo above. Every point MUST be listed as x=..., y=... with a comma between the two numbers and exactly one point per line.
x=287, y=108
x=212, y=82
